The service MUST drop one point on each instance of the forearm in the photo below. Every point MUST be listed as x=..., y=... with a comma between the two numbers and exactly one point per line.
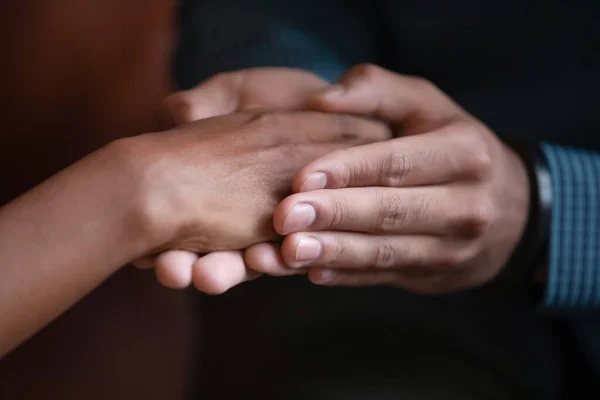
x=61, y=240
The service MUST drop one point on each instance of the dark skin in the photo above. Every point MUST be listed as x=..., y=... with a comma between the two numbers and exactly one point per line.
x=81, y=99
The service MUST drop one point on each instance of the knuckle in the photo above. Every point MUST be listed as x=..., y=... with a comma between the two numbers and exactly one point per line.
x=395, y=167
x=336, y=250
x=481, y=163
x=385, y=254
x=421, y=84
x=362, y=168
x=339, y=214
x=351, y=174
x=365, y=72
x=220, y=77
x=478, y=219
x=479, y=159
x=343, y=175
x=392, y=213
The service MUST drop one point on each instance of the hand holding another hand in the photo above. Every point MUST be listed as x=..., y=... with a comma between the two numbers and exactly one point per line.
x=437, y=210
x=213, y=185
x=222, y=94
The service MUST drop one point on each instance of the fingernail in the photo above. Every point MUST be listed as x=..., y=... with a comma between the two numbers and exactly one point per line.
x=301, y=217
x=315, y=181
x=309, y=249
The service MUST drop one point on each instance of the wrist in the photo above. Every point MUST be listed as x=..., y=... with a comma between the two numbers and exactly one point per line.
x=530, y=251
x=125, y=178
x=153, y=186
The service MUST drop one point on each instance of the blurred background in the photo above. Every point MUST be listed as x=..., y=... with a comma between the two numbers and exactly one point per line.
x=75, y=74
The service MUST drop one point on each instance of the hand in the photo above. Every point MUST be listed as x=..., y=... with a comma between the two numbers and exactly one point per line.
x=436, y=211
x=213, y=185
x=222, y=94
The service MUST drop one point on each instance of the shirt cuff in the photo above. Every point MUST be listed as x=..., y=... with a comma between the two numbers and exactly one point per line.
x=574, y=242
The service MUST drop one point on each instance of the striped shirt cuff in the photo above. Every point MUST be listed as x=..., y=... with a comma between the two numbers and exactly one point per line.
x=574, y=243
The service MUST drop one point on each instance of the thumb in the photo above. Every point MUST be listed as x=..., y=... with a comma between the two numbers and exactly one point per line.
x=412, y=103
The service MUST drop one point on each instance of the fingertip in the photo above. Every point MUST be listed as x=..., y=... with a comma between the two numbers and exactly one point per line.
x=178, y=109
x=266, y=258
x=263, y=257
x=174, y=268
x=218, y=272
x=321, y=276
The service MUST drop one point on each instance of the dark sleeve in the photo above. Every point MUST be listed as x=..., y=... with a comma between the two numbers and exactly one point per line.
x=326, y=37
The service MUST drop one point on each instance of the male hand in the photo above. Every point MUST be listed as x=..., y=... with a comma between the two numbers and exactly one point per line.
x=437, y=210
x=228, y=92
x=213, y=185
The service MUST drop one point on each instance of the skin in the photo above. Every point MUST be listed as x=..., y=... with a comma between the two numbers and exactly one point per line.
x=452, y=199
x=438, y=210
x=117, y=204
x=79, y=75
x=250, y=89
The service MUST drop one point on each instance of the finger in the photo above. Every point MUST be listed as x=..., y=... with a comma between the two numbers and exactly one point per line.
x=434, y=283
x=216, y=96
x=229, y=92
x=330, y=277
x=348, y=250
x=219, y=271
x=318, y=127
x=144, y=263
x=266, y=258
x=277, y=88
x=431, y=210
x=453, y=152
x=174, y=268
x=412, y=103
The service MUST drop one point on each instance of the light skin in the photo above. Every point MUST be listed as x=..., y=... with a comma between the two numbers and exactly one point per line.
x=437, y=210
x=201, y=187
